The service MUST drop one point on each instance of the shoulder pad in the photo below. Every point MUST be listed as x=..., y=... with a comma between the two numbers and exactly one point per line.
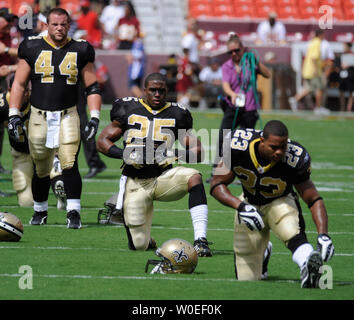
x=118, y=112
x=296, y=156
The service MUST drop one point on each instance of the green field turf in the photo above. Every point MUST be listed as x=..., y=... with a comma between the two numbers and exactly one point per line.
x=95, y=263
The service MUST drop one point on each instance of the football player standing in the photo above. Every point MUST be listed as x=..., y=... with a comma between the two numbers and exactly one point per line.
x=269, y=165
x=54, y=64
x=149, y=127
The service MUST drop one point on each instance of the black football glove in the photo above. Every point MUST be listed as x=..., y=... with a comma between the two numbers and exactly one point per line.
x=325, y=246
x=91, y=128
x=15, y=128
x=250, y=216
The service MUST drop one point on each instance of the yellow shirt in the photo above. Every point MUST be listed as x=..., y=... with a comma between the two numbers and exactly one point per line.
x=312, y=66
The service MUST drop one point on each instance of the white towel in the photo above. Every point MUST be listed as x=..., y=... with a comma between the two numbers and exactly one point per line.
x=122, y=182
x=53, y=129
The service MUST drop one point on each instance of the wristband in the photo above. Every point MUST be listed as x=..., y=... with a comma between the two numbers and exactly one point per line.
x=14, y=112
x=115, y=152
x=95, y=114
x=314, y=201
x=7, y=50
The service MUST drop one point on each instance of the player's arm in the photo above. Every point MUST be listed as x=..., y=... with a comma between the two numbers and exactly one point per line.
x=314, y=201
x=109, y=135
x=94, y=100
x=219, y=190
x=311, y=197
x=19, y=86
x=15, y=124
x=222, y=177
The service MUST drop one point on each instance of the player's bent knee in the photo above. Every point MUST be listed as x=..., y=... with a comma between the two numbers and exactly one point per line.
x=25, y=198
x=19, y=180
x=141, y=243
x=288, y=227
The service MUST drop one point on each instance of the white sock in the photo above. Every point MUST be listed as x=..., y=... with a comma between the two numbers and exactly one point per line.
x=199, y=216
x=40, y=206
x=73, y=204
x=301, y=253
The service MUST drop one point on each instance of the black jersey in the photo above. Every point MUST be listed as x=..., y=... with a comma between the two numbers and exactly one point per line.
x=148, y=128
x=263, y=184
x=55, y=72
x=22, y=145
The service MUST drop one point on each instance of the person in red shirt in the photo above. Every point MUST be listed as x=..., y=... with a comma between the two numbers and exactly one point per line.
x=128, y=27
x=184, y=78
x=88, y=21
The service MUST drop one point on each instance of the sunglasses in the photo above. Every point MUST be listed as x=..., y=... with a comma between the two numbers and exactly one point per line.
x=234, y=51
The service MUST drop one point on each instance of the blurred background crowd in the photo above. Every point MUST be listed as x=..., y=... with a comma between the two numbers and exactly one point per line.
x=187, y=40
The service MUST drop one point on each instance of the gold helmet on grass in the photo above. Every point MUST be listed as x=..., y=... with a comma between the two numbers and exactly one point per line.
x=178, y=256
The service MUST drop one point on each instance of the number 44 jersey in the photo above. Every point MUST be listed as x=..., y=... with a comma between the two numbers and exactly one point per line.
x=55, y=71
x=264, y=182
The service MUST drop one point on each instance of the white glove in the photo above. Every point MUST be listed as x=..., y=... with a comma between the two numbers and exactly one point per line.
x=250, y=216
x=325, y=246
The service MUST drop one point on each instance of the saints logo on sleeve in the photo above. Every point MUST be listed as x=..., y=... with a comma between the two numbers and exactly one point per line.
x=262, y=183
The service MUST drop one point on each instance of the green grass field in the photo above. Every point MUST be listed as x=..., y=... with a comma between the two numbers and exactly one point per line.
x=95, y=263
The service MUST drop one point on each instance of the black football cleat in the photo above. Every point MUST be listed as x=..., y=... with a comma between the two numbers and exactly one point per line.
x=201, y=245
x=310, y=272
x=39, y=218
x=73, y=220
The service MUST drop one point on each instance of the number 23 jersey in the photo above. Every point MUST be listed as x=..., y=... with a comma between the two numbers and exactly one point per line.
x=55, y=71
x=263, y=184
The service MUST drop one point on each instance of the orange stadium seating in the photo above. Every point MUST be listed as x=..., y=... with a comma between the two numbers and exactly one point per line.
x=200, y=9
x=223, y=10
x=285, y=3
x=242, y=2
x=244, y=11
x=289, y=12
x=286, y=9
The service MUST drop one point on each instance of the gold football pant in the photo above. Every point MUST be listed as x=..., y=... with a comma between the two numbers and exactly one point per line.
x=69, y=140
x=139, y=195
x=282, y=217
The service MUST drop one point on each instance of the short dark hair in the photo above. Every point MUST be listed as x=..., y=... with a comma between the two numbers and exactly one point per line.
x=58, y=11
x=275, y=128
x=156, y=76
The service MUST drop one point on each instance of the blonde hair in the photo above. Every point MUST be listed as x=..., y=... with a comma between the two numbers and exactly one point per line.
x=234, y=38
